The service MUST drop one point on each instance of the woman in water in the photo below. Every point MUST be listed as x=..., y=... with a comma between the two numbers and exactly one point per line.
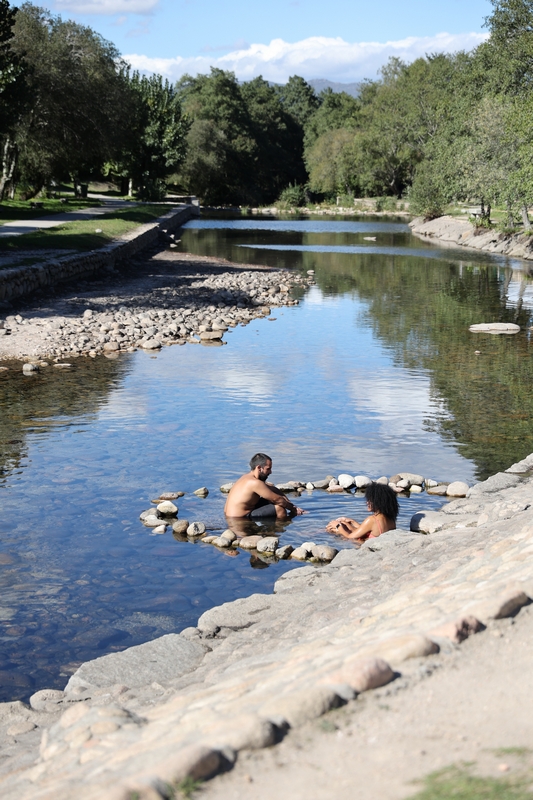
x=382, y=503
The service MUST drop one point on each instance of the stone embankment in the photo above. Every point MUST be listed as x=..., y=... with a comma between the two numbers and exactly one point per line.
x=20, y=281
x=454, y=231
x=140, y=722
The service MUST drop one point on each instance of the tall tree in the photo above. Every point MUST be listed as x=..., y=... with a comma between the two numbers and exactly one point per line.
x=156, y=142
x=79, y=98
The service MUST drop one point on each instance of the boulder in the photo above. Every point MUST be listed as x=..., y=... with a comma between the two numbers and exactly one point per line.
x=167, y=508
x=495, y=483
x=209, y=336
x=160, y=660
x=440, y=489
x=346, y=481
x=180, y=526
x=227, y=487
x=249, y=542
x=196, y=529
x=495, y=328
x=457, y=489
x=361, y=481
x=268, y=545
x=323, y=552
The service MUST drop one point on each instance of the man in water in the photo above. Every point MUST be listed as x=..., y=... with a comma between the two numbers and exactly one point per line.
x=251, y=497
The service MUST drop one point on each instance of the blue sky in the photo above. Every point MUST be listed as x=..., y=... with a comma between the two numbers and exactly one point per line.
x=345, y=40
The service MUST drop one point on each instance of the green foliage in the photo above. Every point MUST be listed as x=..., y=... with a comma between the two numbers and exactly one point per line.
x=460, y=784
x=292, y=197
x=426, y=195
x=11, y=71
x=156, y=144
x=75, y=112
x=244, y=146
x=299, y=99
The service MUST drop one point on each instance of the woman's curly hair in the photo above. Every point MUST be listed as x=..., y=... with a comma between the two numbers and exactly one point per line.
x=382, y=500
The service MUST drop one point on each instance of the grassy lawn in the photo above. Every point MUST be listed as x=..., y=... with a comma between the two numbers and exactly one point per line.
x=80, y=235
x=20, y=209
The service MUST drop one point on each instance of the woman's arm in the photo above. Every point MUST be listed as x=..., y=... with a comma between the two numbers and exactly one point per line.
x=343, y=526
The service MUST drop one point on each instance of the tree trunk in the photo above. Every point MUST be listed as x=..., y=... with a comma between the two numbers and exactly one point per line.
x=9, y=161
x=510, y=217
x=130, y=187
x=525, y=218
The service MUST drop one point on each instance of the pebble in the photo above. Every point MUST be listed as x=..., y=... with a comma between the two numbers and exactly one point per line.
x=167, y=508
x=249, y=542
x=180, y=526
x=457, y=489
x=268, y=545
x=441, y=489
x=196, y=529
x=29, y=369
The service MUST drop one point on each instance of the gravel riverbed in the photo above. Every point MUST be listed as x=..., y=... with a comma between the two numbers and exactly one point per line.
x=160, y=298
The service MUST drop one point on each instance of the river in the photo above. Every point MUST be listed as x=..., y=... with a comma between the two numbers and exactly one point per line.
x=372, y=373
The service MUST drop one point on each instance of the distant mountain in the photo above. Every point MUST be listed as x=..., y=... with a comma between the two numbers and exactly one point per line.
x=319, y=84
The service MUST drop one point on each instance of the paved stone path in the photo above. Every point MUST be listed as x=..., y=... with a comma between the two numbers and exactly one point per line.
x=190, y=705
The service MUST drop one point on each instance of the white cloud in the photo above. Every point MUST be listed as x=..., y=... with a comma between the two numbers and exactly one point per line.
x=316, y=57
x=107, y=7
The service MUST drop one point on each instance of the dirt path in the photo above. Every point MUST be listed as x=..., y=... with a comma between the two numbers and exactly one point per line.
x=477, y=703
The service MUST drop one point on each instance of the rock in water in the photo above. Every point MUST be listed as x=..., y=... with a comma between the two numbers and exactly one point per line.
x=346, y=481
x=203, y=491
x=323, y=552
x=196, y=529
x=268, y=545
x=457, y=489
x=180, y=526
x=495, y=327
x=249, y=542
x=167, y=509
x=226, y=487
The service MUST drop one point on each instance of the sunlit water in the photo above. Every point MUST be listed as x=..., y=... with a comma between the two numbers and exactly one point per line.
x=374, y=372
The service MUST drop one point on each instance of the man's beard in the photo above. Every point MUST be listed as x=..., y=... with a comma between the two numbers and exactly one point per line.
x=262, y=477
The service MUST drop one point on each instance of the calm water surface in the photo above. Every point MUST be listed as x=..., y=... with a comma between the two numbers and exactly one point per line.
x=372, y=373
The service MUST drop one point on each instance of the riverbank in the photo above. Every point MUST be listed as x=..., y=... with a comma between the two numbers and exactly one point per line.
x=454, y=231
x=392, y=614
x=157, y=298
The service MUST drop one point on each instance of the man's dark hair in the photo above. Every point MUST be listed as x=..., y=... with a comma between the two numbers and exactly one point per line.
x=259, y=460
x=382, y=500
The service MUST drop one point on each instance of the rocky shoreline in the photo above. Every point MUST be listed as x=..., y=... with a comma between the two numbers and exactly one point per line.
x=158, y=299
x=187, y=706
x=454, y=231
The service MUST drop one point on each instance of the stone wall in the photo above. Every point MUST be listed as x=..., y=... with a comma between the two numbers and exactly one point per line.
x=20, y=281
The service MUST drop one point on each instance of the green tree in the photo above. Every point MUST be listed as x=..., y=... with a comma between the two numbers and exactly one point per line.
x=156, y=142
x=278, y=155
x=299, y=99
x=79, y=98
x=330, y=163
x=221, y=146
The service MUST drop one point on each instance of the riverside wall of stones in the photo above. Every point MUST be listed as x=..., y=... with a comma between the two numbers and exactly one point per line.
x=453, y=231
x=382, y=617
x=18, y=282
